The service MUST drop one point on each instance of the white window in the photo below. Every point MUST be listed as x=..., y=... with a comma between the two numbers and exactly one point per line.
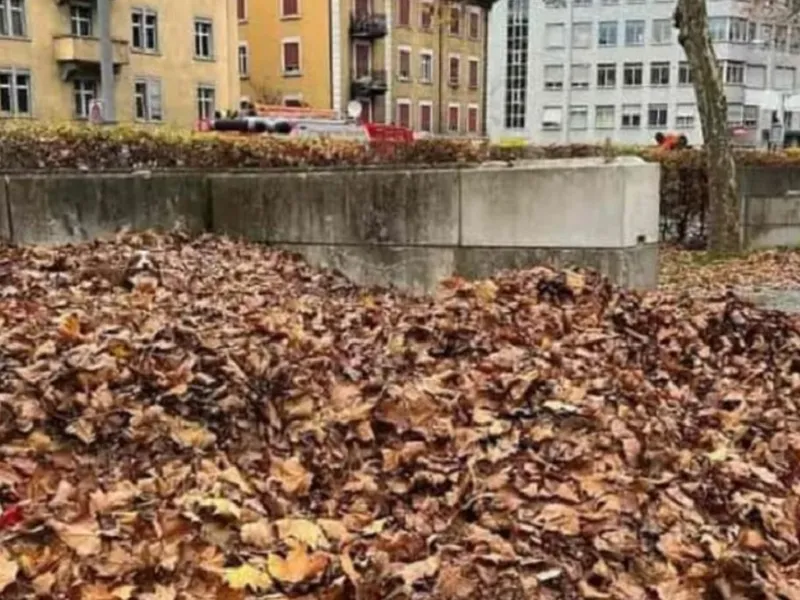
x=684, y=73
x=206, y=101
x=80, y=17
x=685, y=116
x=662, y=31
x=145, y=30
x=15, y=93
x=244, y=59
x=632, y=74
x=607, y=34
x=581, y=35
x=735, y=113
x=147, y=93
x=404, y=63
x=718, y=28
x=203, y=38
x=737, y=30
x=517, y=44
x=553, y=77
x=552, y=117
x=578, y=117
x=606, y=75
x=756, y=76
x=659, y=73
x=631, y=116
x=12, y=18
x=657, y=115
x=426, y=66
x=634, y=33
x=751, y=116
x=604, y=117
x=733, y=73
x=554, y=35
x=766, y=35
x=84, y=91
x=580, y=75
x=784, y=78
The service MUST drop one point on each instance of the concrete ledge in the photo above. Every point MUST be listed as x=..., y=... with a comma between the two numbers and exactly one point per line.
x=64, y=209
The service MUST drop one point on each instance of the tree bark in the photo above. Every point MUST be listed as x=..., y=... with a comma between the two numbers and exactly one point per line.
x=691, y=20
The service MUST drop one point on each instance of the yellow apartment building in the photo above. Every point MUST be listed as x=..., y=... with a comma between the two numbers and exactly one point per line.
x=419, y=63
x=174, y=60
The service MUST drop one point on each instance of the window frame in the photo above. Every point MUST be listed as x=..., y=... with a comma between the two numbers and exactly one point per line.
x=453, y=82
x=198, y=36
x=426, y=53
x=284, y=42
x=640, y=70
x=407, y=103
x=477, y=110
x=13, y=93
x=75, y=20
x=602, y=25
x=244, y=73
x=476, y=62
x=429, y=105
x=457, y=107
x=86, y=97
x=613, y=116
x=7, y=20
x=205, y=87
x=290, y=15
x=150, y=84
x=605, y=69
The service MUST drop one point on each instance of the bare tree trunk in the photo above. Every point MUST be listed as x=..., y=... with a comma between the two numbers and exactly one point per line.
x=691, y=20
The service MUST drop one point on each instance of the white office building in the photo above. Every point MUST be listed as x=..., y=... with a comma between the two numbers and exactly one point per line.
x=572, y=71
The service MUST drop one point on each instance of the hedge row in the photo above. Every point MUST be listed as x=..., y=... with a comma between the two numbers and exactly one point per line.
x=684, y=194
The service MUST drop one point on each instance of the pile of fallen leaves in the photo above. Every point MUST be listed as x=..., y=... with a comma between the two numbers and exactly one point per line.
x=238, y=424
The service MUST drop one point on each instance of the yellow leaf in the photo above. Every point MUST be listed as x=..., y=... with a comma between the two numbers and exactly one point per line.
x=43, y=584
x=302, y=530
x=191, y=435
x=40, y=442
x=486, y=291
x=221, y=507
x=233, y=476
x=576, y=281
x=162, y=592
x=247, y=577
x=70, y=328
x=258, y=534
x=123, y=592
x=298, y=566
x=82, y=537
x=334, y=530
x=718, y=455
x=292, y=476
x=9, y=569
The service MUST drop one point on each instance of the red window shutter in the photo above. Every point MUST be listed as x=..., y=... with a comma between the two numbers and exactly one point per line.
x=404, y=12
x=455, y=21
x=473, y=74
x=405, y=64
x=362, y=8
x=425, y=117
x=472, y=120
x=474, y=25
x=362, y=60
x=241, y=10
x=425, y=15
x=404, y=115
x=453, y=118
x=289, y=7
x=291, y=56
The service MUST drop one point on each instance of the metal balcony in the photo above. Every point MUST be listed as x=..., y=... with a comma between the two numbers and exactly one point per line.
x=367, y=26
x=368, y=84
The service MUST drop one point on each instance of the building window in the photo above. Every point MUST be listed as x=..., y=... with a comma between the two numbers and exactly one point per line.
x=84, y=91
x=634, y=33
x=290, y=8
x=455, y=20
x=735, y=114
x=472, y=119
x=607, y=34
x=147, y=93
x=684, y=116
x=426, y=66
x=362, y=59
x=733, y=72
x=662, y=31
x=426, y=116
x=454, y=118
x=15, y=93
x=241, y=10
x=404, y=13
x=475, y=24
x=404, y=63
x=12, y=18
x=781, y=38
x=516, y=65
x=404, y=113
x=580, y=76
x=455, y=68
x=582, y=3
x=581, y=35
x=555, y=3
x=718, y=28
x=784, y=78
x=80, y=17
x=684, y=73
x=474, y=74
x=145, y=30
x=766, y=35
x=794, y=39
x=756, y=76
x=554, y=35
x=738, y=28
x=553, y=77
x=206, y=101
x=578, y=117
x=552, y=117
x=751, y=116
x=426, y=16
x=604, y=117
x=632, y=74
x=657, y=115
x=291, y=57
x=244, y=59
x=203, y=38
x=659, y=73
x=631, y=116
x=606, y=75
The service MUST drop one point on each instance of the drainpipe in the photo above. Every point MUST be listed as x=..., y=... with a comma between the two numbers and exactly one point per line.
x=440, y=91
x=106, y=61
x=485, y=91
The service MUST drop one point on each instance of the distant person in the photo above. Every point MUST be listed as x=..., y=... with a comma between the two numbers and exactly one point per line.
x=667, y=142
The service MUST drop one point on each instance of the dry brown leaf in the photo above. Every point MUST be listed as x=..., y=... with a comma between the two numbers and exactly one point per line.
x=161, y=592
x=292, y=476
x=83, y=537
x=258, y=534
x=559, y=518
x=298, y=566
x=9, y=569
x=302, y=530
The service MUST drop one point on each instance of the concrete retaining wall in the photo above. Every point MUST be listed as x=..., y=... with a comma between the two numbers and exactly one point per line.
x=409, y=228
x=771, y=206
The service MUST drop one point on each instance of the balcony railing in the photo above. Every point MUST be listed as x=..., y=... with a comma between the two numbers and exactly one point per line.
x=369, y=83
x=367, y=25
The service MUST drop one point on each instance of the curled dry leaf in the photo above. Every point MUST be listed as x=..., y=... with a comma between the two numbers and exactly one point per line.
x=258, y=534
x=83, y=537
x=247, y=577
x=8, y=571
x=298, y=566
x=292, y=476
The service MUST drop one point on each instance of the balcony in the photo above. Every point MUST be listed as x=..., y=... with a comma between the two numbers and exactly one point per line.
x=367, y=26
x=74, y=52
x=369, y=84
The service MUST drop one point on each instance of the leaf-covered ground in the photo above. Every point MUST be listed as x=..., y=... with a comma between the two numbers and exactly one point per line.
x=251, y=427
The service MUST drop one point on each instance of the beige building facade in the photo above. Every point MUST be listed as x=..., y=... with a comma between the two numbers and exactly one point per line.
x=174, y=60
